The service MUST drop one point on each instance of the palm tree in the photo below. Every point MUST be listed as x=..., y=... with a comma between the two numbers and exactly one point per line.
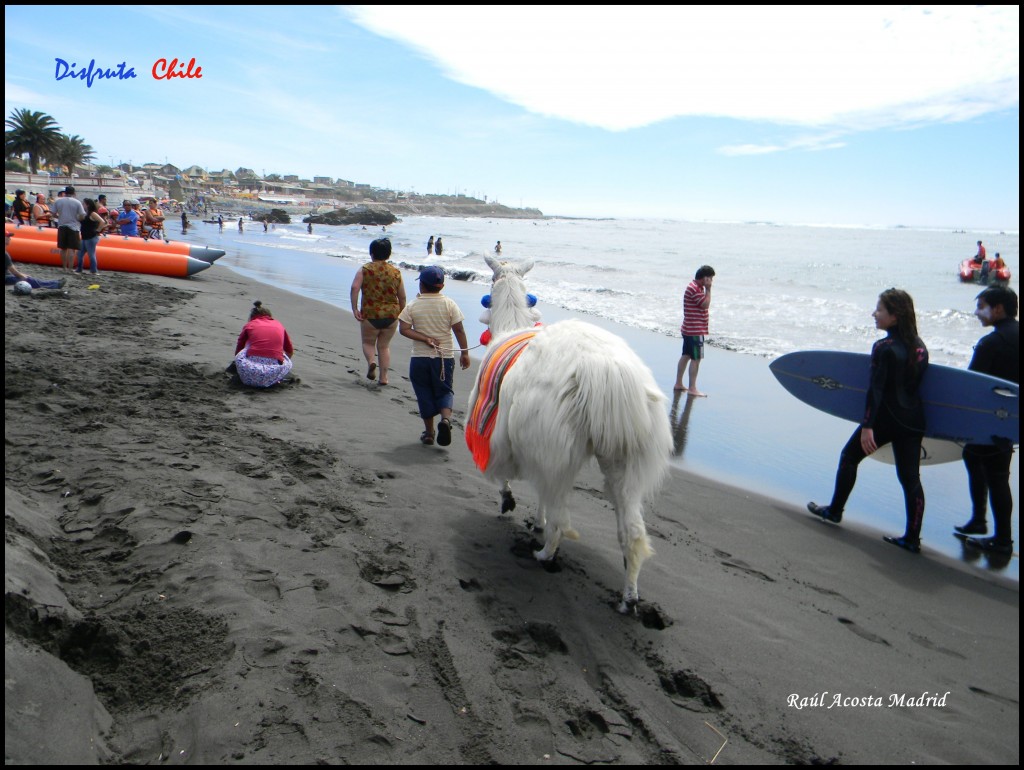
x=33, y=132
x=71, y=151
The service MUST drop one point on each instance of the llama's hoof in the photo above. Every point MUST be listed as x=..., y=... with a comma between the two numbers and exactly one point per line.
x=508, y=503
x=629, y=607
x=543, y=556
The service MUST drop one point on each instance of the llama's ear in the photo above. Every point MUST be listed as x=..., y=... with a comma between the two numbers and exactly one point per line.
x=494, y=264
x=524, y=267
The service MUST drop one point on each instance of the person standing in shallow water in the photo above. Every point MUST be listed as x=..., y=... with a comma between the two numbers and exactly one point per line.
x=383, y=298
x=430, y=246
x=438, y=248
x=894, y=413
x=696, y=301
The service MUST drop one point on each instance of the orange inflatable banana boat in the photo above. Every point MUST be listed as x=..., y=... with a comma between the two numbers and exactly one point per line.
x=38, y=251
x=204, y=253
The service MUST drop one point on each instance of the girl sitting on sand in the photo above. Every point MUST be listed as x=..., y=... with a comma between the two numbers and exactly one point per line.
x=264, y=350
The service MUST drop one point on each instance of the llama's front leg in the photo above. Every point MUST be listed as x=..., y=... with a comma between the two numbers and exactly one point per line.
x=630, y=600
x=508, y=503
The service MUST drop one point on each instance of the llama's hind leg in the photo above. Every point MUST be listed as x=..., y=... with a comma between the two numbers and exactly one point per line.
x=636, y=551
x=633, y=540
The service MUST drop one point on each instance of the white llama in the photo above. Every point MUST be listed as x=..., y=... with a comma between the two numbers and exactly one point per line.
x=563, y=394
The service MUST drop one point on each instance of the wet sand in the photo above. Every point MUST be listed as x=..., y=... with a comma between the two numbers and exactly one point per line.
x=200, y=573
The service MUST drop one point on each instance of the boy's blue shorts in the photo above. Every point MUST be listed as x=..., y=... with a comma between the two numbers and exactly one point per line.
x=432, y=393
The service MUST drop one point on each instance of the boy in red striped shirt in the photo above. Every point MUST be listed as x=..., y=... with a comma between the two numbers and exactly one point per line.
x=696, y=301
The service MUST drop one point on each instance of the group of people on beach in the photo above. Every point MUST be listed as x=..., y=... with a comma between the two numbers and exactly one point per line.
x=379, y=305
x=263, y=351
x=894, y=413
x=132, y=219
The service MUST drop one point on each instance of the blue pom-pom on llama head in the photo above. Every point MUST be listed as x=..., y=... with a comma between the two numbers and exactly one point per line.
x=531, y=300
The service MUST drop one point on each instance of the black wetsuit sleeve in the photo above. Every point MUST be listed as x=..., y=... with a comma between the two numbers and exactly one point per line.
x=881, y=360
x=984, y=352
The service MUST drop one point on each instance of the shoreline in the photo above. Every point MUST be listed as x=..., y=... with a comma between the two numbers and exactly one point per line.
x=750, y=433
x=288, y=576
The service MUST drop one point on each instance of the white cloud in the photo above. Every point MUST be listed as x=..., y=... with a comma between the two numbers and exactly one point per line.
x=622, y=67
x=807, y=144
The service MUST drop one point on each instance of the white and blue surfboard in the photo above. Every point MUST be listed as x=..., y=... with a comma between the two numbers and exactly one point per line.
x=960, y=406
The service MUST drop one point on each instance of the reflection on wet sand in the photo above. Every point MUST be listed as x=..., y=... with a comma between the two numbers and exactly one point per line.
x=680, y=422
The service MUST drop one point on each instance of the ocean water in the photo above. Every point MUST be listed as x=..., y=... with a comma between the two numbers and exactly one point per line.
x=778, y=288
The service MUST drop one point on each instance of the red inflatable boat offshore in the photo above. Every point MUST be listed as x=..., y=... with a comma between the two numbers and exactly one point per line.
x=983, y=273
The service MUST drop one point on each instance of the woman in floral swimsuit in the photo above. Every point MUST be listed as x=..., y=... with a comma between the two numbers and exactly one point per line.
x=383, y=298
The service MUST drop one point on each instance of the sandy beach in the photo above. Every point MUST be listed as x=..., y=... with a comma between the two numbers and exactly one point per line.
x=197, y=573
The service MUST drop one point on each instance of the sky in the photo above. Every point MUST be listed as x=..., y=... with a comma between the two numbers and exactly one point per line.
x=877, y=115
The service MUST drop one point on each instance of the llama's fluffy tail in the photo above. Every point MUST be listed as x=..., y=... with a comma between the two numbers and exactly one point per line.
x=625, y=414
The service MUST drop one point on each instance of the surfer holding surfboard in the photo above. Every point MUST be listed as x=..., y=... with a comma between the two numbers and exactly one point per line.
x=988, y=465
x=894, y=413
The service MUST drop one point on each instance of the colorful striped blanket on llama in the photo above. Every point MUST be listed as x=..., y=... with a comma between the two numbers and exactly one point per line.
x=485, y=410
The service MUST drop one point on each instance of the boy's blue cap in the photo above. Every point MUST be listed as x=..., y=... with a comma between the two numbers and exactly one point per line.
x=432, y=276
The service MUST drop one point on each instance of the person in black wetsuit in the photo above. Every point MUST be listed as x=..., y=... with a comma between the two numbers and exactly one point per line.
x=988, y=465
x=894, y=413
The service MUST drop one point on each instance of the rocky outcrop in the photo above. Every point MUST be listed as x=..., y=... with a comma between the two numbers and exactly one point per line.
x=354, y=216
x=276, y=217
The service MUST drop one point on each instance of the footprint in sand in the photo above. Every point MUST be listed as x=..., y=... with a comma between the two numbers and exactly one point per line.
x=928, y=644
x=832, y=594
x=387, y=577
x=687, y=685
x=862, y=633
x=651, y=616
x=532, y=638
x=742, y=566
x=470, y=585
x=998, y=698
x=392, y=644
x=388, y=618
x=263, y=587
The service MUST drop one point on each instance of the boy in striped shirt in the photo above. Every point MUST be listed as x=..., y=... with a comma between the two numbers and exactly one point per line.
x=696, y=301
